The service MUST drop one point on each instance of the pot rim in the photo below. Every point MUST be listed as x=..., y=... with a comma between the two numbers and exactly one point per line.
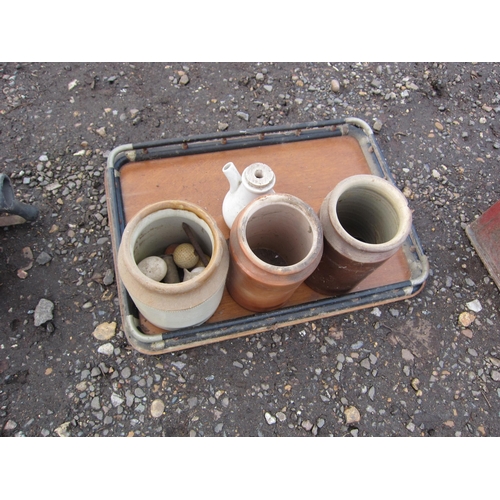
x=171, y=288
x=288, y=200
x=381, y=186
x=264, y=189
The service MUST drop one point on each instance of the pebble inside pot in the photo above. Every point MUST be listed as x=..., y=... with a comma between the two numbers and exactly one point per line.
x=171, y=306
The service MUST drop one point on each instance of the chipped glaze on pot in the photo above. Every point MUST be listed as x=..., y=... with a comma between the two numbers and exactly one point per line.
x=173, y=305
x=365, y=221
x=275, y=243
x=258, y=179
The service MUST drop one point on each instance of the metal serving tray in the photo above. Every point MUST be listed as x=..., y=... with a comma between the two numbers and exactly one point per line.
x=309, y=159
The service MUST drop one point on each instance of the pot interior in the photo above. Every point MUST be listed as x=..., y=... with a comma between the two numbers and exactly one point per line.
x=160, y=229
x=280, y=234
x=367, y=215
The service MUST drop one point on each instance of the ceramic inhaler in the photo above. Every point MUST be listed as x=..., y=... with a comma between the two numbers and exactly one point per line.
x=257, y=179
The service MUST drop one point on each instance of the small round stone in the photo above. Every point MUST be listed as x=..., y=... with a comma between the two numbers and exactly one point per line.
x=188, y=275
x=352, y=415
x=466, y=318
x=185, y=256
x=153, y=267
x=270, y=419
x=157, y=408
x=105, y=331
x=171, y=248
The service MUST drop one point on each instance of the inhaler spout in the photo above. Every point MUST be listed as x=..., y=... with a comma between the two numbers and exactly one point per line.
x=232, y=175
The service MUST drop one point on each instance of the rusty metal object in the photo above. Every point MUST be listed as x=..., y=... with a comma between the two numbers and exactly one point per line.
x=484, y=234
x=365, y=221
x=275, y=243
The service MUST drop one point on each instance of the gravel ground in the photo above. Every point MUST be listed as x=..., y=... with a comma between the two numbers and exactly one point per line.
x=412, y=368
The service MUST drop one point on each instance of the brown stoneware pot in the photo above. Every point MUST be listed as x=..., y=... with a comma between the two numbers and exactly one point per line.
x=365, y=221
x=275, y=243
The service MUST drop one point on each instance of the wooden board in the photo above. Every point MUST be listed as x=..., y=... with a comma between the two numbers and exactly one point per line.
x=308, y=169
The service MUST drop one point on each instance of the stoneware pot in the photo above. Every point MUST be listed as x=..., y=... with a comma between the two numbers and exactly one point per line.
x=365, y=221
x=173, y=305
x=275, y=243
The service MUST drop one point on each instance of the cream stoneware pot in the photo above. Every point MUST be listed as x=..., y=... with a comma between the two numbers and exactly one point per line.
x=171, y=306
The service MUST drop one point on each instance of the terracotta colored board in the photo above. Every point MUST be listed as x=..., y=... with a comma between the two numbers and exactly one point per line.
x=308, y=170
x=484, y=234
